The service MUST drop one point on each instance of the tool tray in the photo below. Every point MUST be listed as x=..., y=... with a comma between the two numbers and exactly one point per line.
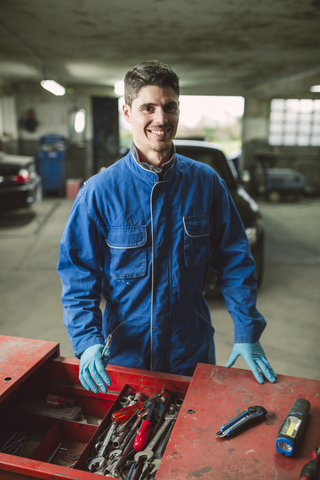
x=62, y=443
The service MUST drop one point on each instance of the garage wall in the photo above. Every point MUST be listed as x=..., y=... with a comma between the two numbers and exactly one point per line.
x=8, y=125
x=53, y=116
x=305, y=160
x=24, y=119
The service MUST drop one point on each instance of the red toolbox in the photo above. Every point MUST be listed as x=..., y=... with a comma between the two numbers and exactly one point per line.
x=55, y=423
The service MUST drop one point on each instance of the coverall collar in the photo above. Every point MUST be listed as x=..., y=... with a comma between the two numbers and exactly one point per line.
x=150, y=172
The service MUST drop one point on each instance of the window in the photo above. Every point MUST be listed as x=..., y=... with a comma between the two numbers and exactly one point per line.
x=294, y=122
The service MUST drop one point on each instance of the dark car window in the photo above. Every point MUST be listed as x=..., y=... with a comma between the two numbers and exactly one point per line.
x=210, y=156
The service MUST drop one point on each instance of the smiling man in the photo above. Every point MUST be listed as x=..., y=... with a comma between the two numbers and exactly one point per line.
x=154, y=117
x=143, y=234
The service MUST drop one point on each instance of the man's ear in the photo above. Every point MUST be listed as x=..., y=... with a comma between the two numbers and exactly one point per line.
x=127, y=112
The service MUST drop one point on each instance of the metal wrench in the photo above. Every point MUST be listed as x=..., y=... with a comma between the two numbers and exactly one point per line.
x=155, y=462
x=148, y=452
x=127, y=445
x=99, y=460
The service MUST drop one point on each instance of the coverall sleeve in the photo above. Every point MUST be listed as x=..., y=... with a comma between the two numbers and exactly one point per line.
x=234, y=267
x=80, y=271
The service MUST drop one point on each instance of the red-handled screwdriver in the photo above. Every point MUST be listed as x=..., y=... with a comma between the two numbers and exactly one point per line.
x=126, y=412
x=311, y=469
x=142, y=435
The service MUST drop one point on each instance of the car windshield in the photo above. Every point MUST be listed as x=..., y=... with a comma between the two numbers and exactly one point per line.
x=211, y=156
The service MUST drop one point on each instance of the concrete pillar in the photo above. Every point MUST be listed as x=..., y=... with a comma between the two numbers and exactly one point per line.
x=255, y=129
x=256, y=119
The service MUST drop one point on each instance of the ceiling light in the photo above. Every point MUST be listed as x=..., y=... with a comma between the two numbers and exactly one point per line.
x=315, y=88
x=53, y=87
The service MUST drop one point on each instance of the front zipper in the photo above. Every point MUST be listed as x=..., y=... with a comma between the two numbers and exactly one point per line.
x=152, y=272
x=152, y=278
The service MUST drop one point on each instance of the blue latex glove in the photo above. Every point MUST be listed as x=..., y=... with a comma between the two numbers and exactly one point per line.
x=255, y=357
x=92, y=371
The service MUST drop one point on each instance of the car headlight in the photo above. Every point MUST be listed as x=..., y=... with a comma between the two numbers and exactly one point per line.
x=252, y=235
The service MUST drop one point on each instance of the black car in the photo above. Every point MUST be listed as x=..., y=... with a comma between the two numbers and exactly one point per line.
x=20, y=185
x=212, y=155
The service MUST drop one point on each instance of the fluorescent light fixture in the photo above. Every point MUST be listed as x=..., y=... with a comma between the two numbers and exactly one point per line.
x=53, y=87
x=119, y=88
x=315, y=88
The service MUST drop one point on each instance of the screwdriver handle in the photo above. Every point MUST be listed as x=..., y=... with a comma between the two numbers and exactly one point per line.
x=311, y=470
x=126, y=412
x=142, y=436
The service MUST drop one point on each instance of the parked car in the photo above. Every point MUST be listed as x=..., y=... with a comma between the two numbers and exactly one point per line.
x=235, y=158
x=280, y=181
x=20, y=185
x=212, y=155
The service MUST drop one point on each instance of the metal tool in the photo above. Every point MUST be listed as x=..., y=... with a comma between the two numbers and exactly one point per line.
x=8, y=444
x=124, y=401
x=148, y=452
x=99, y=460
x=14, y=447
x=106, y=348
x=158, y=454
x=134, y=399
x=155, y=396
x=112, y=469
x=123, y=425
x=134, y=428
x=143, y=434
x=53, y=453
x=242, y=421
x=158, y=407
x=126, y=446
x=117, y=441
x=311, y=470
x=292, y=427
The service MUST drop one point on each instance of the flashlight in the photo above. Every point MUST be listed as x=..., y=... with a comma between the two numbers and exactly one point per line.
x=292, y=427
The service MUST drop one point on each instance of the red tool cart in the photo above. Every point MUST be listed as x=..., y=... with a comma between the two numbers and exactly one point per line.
x=50, y=424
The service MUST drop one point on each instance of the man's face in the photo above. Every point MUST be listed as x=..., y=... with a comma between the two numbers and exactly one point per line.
x=154, y=116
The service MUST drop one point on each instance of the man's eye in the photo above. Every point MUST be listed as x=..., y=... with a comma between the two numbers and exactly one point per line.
x=171, y=108
x=147, y=109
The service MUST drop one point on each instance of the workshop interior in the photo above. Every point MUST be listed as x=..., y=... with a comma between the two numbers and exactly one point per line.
x=62, y=66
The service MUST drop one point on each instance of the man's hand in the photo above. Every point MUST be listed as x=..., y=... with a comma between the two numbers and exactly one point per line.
x=255, y=358
x=92, y=371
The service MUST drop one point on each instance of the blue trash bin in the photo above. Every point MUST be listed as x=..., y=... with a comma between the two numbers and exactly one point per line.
x=51, y=162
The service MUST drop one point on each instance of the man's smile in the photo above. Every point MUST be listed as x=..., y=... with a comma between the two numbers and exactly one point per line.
x=159, y=132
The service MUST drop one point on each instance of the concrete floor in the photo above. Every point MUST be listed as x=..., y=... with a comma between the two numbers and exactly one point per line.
x=289, y=298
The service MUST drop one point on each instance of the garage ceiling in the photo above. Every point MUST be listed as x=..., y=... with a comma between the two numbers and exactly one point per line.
x=230, y=47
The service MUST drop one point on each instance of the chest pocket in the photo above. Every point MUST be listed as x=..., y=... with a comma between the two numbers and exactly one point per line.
x=128, y=251
x=197, y=247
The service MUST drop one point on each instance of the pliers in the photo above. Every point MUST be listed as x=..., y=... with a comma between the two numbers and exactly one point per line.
x=242, y=421
x=106, y=348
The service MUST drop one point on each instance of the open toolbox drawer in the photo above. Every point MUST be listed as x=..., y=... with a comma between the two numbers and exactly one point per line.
x=39, y=441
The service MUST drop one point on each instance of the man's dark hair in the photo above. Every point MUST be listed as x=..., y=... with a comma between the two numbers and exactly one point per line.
x=152, y=73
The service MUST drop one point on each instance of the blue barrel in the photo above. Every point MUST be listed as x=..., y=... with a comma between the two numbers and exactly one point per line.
x=51, y=163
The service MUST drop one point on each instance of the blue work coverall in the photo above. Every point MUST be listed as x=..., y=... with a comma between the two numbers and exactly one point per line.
x=146, y=245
